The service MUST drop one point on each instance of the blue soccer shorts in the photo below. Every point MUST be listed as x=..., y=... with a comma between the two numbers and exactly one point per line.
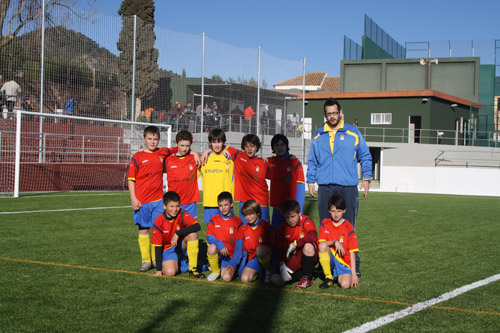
x=338, y=267
x=174, y=253
x=146, y=215
x=253, y=264
x=208, y=212
x=191, y=209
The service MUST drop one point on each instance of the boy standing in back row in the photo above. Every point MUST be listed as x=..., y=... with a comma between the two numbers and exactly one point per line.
x=217, y=174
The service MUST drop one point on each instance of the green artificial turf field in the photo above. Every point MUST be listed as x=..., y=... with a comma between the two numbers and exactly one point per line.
x=69, y=262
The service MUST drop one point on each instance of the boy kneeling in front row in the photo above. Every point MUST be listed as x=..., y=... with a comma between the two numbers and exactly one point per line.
x=297, y=242
x=337, y=247
x=174, y=232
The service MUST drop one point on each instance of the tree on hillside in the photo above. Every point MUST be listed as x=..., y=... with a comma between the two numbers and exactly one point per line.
x=16, y=15
x=146, y=71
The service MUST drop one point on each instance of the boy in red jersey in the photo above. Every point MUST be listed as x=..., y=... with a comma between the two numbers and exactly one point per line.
x=145, y=184
x=297, y=242
x=337, y=247
x=250, y=174
x=181, y=172
x=287, y=178
x=175, y=231
x=256, y=258
x=223, y=235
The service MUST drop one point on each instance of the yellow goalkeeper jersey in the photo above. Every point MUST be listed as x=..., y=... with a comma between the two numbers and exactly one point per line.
x=217, y=175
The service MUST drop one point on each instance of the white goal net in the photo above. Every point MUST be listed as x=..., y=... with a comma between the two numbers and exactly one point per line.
x=49, y=152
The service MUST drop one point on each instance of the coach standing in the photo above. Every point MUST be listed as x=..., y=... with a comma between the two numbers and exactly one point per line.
x=335, y=150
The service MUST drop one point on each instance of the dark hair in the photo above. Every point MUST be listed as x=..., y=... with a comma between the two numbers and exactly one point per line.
x=330, y=102
x=251, y=206
x=225, y=196
x=289, y=206
x=337, y=201
x=152, y=130
x=277, y=138
x=171, y=196
x=184, y=135
x=216, y=134
x=250, y=138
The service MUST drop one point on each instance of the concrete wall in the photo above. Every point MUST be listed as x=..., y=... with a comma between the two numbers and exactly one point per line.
x=411, y=168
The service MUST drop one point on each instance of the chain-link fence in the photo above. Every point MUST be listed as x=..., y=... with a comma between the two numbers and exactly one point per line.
x=124, y=68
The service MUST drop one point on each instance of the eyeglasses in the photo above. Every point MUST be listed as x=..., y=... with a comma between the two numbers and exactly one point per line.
x=334, y=113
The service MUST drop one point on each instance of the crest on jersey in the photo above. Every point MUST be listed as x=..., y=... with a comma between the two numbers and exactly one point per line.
x=341, y=238
x=260, y=239
x=301, y=235
x=288, y=169
x=257, y=168
x=161, y=158
x=231, y=230
x=190, y=166
x=342, y=137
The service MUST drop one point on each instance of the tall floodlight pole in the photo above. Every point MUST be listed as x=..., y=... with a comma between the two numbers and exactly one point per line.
x=303, y=110
x=40, y=157
x=132, y=108
x=202, y=85
x=258, y=92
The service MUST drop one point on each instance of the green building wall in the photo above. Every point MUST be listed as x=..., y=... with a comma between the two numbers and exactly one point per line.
x=436, y=115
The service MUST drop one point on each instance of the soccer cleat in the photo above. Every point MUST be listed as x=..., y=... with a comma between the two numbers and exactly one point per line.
x=305, y=282
x=146, y=266
x=326, y=284
x=194, y=273
x=267, y=277
x=213, y=276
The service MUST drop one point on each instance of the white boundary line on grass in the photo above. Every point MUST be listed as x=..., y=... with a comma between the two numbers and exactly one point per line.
x=62, y=210
x=421, y=306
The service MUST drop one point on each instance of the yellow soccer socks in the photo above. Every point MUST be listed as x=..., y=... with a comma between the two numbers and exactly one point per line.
x=324, y=260
x=145, y=247
x=265, y=262
x=213, y=260
x=192, y=251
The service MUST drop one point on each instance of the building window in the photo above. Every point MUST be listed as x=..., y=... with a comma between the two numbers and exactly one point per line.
x=381, y=118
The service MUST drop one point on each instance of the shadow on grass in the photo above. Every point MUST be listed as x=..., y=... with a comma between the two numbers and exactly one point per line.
x=258, y=311
x=168, y=312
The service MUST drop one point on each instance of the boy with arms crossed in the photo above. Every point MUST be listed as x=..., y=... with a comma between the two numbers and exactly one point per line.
x=175, y=231
x=217, y=174
x=181, y=172
x=223, y=235
x=297, y=242
x=145, y=184
x=257, y=253
x=337, y=246
x=287, y=178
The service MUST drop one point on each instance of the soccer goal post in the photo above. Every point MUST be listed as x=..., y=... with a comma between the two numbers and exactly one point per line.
x=42, y=152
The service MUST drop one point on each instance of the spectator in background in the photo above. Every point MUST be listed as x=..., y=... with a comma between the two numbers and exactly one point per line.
x=142, y=117
x=10, y=90
x=249, y=112
x=26, y=106
x=70, y=107
x=148, y=113
x=356, y=123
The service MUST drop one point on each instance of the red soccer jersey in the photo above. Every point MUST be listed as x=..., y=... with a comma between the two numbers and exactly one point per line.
x=225, y=230
x=290, y=234
x=284, y=173
x=146, y=170
x=250, y=177
x=181, y=177
x=254, y=236
x=344, y=233
x=164, y=228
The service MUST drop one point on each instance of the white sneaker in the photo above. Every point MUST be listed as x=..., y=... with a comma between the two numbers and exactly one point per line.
x=146, y=266
x=213, y=276
x=267, y=278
